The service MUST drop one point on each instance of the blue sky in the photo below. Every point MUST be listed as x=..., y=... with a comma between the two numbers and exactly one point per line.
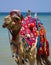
x=24, y=5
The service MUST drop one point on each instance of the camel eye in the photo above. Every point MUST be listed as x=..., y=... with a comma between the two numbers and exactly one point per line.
x=6, y=19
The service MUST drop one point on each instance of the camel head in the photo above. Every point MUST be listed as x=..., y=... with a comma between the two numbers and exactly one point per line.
x=12, y=22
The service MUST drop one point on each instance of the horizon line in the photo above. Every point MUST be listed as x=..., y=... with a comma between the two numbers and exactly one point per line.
x=32, y=12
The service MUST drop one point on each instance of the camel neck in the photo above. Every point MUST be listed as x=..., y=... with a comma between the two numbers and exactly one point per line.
x=15, y=36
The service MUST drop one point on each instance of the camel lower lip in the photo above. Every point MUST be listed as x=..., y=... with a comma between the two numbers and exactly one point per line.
x=4, y=25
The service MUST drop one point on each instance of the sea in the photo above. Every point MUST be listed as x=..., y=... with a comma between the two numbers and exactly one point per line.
x=5, y=50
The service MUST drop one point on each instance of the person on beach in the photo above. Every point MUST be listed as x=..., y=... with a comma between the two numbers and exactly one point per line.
x=29, y=13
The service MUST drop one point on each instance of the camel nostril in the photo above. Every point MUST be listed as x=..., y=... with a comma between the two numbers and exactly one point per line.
x=3, y=26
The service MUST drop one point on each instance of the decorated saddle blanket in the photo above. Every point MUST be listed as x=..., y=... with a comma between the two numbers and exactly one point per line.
x=29, y=31
x=43, y=44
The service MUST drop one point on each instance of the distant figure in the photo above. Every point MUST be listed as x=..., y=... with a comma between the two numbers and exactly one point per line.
x=29, y=13
x=35, y=15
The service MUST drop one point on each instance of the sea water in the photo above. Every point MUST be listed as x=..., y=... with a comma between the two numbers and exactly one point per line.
x=5, y=50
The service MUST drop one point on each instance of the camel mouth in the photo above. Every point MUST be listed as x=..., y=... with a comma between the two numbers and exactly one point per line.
x=4, y=25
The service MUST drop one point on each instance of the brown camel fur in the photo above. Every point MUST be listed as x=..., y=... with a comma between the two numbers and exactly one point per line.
x=17, y=45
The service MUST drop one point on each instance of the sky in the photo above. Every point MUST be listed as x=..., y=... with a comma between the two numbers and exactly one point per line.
x=24, y=5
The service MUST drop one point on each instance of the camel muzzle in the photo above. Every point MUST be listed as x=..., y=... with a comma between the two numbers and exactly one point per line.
x=4, y=25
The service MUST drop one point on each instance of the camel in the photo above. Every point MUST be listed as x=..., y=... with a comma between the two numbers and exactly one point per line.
x=17, y=45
